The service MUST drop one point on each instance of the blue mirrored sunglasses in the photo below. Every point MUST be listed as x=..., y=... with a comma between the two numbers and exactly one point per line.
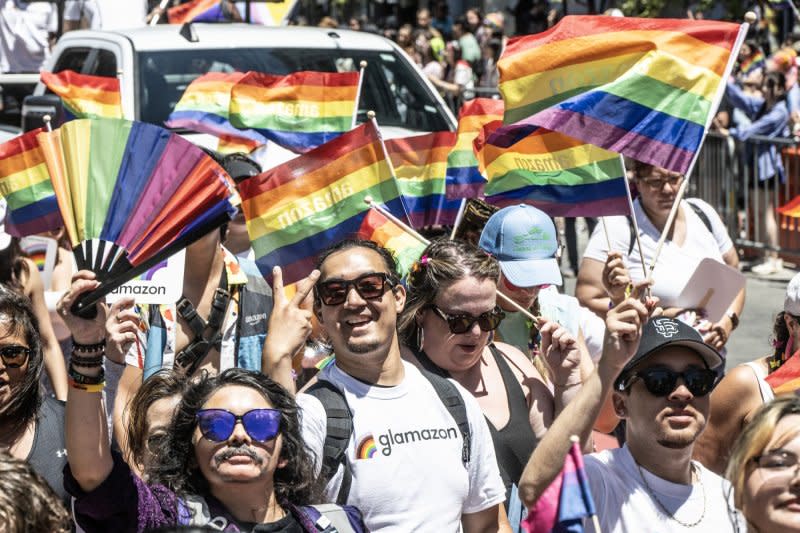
x=217, y=424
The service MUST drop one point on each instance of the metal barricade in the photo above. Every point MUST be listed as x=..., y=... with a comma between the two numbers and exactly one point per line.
x=728, y=175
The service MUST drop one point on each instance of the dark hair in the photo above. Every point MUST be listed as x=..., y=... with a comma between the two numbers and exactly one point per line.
x=776, y=83
x=780, y=336
x=443, y=262
x=175, y=464
x=388, y=259
x=13, y=266
x=27, y=503
x=163, y=384
x=17, y=318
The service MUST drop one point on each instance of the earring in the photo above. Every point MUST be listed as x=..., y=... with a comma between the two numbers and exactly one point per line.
x=420, y=337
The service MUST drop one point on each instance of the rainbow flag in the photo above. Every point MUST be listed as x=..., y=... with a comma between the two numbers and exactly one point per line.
x=204, y=107
x=86, y=96
x=464, y=179
x=405, y=248
x=299, y=111
x=562, y=176
x=420, y=164
x=646, y=88
x=25, y=185
x=299, y=208
x=197, y=11
x=786, y=379
x=268, y=13
x=564, y=504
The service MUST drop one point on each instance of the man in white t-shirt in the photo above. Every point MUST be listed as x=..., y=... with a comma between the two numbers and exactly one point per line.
x=25, y=33
x=650, y=484
x=406, y=452
x=82, y=14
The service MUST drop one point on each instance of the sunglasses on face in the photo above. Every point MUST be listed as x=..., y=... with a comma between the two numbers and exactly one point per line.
x=776, y=460
x=462, y=323
x=370, y=286
x=217, y=424
x=662, y=381
x=14, y=355
x=657, y=182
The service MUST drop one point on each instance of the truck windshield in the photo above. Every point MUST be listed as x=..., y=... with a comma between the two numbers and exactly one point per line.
x=391, y=87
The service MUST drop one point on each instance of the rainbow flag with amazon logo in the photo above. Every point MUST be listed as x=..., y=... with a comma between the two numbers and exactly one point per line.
x=646, y=88
x=86, y=96
x=299, y=111
x=204, y=108
x=464, y=178
x=25, y=184
x=420, y=164
x=299, y=208
x=405, y=247
x=560, y=175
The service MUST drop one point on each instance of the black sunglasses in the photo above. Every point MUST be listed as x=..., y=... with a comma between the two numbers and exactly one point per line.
x=14, y=355
x=217, y=425
x=662, y=381
x=461, y=323
x=369, y=286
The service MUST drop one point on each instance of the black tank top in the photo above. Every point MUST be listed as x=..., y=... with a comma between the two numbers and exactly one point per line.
x=514, y=443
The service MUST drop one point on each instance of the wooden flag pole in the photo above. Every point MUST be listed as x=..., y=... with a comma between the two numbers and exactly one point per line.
x=362, y=66
x=157, y=16
x=605, y=229
x=47, y=119
x=459, y=217
x=633, y=219
x=411, y=231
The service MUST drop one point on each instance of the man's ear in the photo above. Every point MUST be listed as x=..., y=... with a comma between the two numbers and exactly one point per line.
x=399, y=293
x=619, y=401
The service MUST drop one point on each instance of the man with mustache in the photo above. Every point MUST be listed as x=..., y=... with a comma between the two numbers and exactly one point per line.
x=234, y=458
x=651, y=483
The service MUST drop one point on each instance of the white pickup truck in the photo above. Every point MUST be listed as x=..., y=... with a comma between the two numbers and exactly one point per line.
x=156, y=64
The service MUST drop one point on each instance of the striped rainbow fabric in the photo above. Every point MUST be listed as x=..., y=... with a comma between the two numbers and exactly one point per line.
x=197, y=11
x=268, y=12
x=299, y=111
x=786, y=379
x=560, y=175
x=646, y=88
x=204, y=107
x=420, y=164
x=464, y=179
x=86, y=96
x=300, y=207
x=405, y=248
x=25, y=185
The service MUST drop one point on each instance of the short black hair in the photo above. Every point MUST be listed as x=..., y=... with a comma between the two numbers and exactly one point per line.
x=388, y=258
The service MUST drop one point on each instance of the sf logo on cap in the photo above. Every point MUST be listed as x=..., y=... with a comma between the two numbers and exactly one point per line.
x=665, y=327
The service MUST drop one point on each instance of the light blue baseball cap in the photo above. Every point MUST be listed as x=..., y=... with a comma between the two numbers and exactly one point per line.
x=523, y=239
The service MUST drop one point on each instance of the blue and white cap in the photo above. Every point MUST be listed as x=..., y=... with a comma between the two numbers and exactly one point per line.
x=523, y=239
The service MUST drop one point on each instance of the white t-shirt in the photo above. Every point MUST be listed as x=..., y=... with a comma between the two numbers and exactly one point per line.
x=75, y=10
x=624, y=504
x=676, y=264
x=405, y=454
x=24, y=30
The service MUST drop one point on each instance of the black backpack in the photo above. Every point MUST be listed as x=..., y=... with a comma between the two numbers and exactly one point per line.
x=340, y=426
x=700, y=213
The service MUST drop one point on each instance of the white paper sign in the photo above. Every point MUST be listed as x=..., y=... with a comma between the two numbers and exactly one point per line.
x=161, y=284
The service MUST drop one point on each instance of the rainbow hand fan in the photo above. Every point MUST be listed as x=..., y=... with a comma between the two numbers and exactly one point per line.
x=130, y=195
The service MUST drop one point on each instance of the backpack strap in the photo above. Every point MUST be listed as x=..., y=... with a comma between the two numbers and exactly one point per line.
x=338, y=430
x=452, y=400
x=702, y=214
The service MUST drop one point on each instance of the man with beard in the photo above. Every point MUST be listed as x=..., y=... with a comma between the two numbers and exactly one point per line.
x=651, y=483
x=407, y=462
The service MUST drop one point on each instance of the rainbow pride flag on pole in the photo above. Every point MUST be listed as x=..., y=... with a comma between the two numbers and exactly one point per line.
x=646, y=88
x=405, y=248
x=197, y=11
x=25, y=184
x=464, y=179
x=86, y=96
x=204, y=107
x=560, y=175
x=564, y=504
x=786, y=379
x=420, y=165
x=297, y=209
x=268, y=12
x=299, y=111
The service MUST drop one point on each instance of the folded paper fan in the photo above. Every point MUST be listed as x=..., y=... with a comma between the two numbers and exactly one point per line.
x=131, y=194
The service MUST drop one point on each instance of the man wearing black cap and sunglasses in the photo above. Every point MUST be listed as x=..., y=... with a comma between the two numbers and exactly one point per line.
x=651, y=483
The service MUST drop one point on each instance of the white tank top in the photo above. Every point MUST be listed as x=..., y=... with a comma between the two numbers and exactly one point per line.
x=763, y=387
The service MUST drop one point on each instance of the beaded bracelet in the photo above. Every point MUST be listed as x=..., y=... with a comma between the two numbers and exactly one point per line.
x=96, y=387
x=86, y=362
x=83, y=379
x=88, y=348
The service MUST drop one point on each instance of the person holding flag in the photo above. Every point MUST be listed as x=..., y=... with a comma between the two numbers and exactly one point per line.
x=660, y=373
x=747, y=387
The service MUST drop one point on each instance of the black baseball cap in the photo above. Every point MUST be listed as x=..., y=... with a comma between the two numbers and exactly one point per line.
x=661, y=332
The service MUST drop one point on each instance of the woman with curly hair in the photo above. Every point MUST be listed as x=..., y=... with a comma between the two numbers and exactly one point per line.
x=27, y=503
x=745, y=389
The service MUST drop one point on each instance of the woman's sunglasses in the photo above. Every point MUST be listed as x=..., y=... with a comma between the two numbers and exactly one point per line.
x=662, y=381
x=14, y=355
x=462, y=323
x=217, y=424
x=369, y=286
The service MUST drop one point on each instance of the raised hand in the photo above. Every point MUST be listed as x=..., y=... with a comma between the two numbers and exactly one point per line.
x=122, y=326
x=289, y=324
x=624, y=325
x=615, y=277
x=560, y=352
x=83, y=331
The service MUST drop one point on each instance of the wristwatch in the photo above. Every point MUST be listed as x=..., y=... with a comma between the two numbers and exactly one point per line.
x=734, y=318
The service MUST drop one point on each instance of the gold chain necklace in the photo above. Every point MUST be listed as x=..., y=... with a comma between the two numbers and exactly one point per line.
x=664, y=509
